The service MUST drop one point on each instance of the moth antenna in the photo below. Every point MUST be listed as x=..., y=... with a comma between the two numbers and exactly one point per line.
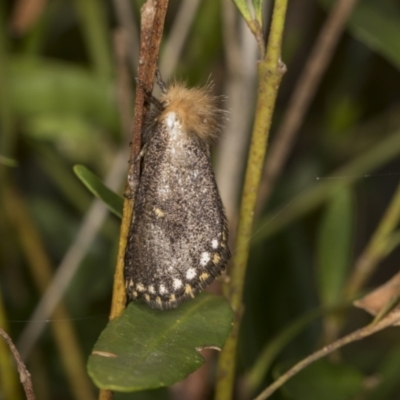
x=160, y=81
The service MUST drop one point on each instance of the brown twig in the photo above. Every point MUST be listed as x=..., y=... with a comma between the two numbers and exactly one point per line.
x=152, y=26
x=24, y=375
x=359, y=334
x=303, y=95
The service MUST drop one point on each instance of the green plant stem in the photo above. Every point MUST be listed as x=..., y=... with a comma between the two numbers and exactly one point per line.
x=377, y=247
x=302, y=96
x=270, y=72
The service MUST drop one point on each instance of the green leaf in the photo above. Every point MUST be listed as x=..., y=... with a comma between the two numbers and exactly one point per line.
x=334, y=244
x=149, y=348
x=323, y=380
x=45, y=86
x=258, y=6
x=244, y=9
x=378, y=26
x=113, y=201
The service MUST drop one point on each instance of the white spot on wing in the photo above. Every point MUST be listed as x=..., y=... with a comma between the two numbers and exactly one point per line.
x=214, y=244
x=162, y=289
x=205, y=258
x=151, y=289
x=177, y=284
x=190, y=273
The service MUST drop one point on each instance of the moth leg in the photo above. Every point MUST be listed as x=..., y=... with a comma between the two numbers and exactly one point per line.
x=149, y=96
x=160, y=81
x=143, y=151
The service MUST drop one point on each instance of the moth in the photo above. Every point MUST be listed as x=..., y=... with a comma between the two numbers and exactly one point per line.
x=178, y=238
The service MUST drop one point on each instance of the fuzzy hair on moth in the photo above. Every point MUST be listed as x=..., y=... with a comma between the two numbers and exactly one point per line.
x=178, y=238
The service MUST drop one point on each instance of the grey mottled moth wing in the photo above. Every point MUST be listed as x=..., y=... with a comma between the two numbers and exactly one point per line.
x=177, y=242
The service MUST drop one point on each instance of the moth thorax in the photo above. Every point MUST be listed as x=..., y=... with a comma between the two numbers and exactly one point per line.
x=194, y=109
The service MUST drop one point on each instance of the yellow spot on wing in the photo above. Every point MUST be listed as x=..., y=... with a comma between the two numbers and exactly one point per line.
x=216, y=258
x=204, y=276
x=158, y=300
x=189, y=291
x=147, y=297
x=172, y=298
x=159, y=213
x=140, y=287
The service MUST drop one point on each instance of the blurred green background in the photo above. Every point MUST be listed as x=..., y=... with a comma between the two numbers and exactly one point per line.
x=66, y=99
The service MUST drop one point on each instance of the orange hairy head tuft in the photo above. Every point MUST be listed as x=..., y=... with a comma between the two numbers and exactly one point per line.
x=195, y=108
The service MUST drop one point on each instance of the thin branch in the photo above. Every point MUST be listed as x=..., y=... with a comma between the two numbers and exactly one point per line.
x=10, y=387
x=24, y=375
x=151, y=30
x=376, y=248
x=303, y=95
x=270, y=72
x=359, y=334
x=275, y=346
x=253, y=24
